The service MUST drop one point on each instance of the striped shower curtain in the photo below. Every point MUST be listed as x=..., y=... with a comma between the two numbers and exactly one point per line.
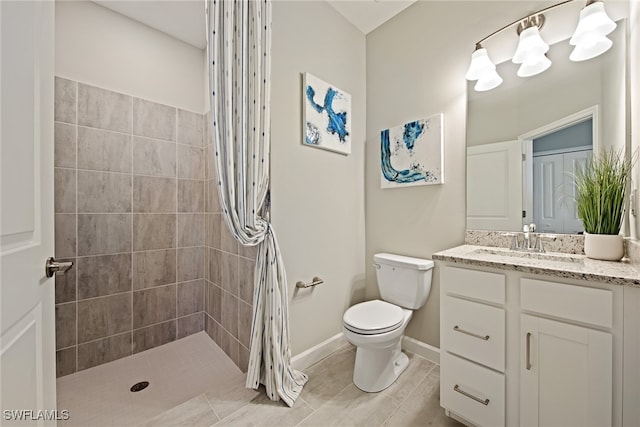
x=239, y=49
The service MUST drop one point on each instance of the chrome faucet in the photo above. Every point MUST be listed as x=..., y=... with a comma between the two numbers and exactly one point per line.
x=528, y=229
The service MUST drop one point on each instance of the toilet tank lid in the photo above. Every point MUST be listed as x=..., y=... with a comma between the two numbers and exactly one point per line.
x=403, y=261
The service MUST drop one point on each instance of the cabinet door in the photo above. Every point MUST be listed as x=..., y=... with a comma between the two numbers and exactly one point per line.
x=565, y=374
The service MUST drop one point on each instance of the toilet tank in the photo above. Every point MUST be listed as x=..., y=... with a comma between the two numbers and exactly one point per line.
x=403, y=280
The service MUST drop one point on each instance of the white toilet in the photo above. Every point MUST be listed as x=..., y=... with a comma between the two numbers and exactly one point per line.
x=376, y=327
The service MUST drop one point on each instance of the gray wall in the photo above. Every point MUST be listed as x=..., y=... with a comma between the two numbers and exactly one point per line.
x=318, y=196
x=129, y=210
x=415, y=68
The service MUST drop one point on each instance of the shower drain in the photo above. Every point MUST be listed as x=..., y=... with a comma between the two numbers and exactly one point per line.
x=139, y=386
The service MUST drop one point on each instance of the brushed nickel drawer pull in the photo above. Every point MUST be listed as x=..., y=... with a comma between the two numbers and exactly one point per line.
x=457, y=388
x=528, y=361
x=484, y=338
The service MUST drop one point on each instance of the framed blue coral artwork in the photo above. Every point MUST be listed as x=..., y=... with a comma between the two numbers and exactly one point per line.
x=327, y=116
x=411, y=154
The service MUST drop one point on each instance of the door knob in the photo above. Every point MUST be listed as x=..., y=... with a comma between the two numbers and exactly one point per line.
x=52, y=266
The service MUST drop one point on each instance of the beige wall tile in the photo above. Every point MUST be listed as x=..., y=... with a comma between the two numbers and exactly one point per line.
x=213, y=200
x=64, y=145
x=190, y=162
x=243, y=358
x=66, y=283
x=228, y=243
x=154, y=231
x=190, y=196
x=213, y=230
x=103, y=275
x=190, y=230
x=190, y=263
x=190, y=325
x=65, y=362
x=105, y=350
x=151, y=194
x=245, y=317
x=64, y=184
x=190, y=297
x=65, y=235
x=102, y=150
x=103, y=317
x=103, y=192
x=154, y=268
x=154, y=157
x=246, y=274
x=154, y=305
x=215, y=267
x=230, y=313
x=214, y=302
x=101, y=234
x=65, y=100
x=154, y=120
x=103, y=109
x=65, y=325
x=229, y=267
x=153, y=336
x=190, y=128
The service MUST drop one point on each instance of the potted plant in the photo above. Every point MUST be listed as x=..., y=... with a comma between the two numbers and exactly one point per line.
x=601, y=189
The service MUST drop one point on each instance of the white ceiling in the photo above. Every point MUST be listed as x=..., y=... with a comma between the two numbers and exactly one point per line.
x=184, y=19
x=367, y=15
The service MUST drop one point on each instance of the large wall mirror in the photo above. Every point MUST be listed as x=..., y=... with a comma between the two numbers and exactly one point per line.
x=526, y=137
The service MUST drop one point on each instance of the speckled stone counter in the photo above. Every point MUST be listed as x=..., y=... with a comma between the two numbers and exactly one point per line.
x=561, y=265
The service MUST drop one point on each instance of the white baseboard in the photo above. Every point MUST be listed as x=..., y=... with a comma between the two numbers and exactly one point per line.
x=318, y=352
x=425, y=350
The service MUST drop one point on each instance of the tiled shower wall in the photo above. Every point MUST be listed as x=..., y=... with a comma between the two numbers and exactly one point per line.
x=229, y=276
x=129, y=204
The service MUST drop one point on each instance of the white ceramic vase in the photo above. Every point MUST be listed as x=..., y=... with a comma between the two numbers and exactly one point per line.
x=607, y=247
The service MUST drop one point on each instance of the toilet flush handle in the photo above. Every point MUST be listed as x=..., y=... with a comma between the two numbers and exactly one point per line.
x=377, y=266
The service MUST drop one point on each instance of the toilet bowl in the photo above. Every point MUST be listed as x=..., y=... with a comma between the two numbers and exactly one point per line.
x=376, y=327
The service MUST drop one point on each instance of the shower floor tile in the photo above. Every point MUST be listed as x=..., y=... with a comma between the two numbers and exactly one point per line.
x=177, y=372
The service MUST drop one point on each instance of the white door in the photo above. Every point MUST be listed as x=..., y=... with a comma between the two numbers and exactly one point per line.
x=554, y=207
x=27, y=319
x=565, y=374
x=498, y=167
x=548, y=182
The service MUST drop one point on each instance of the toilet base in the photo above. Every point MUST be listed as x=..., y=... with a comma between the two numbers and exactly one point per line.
x=377, y=369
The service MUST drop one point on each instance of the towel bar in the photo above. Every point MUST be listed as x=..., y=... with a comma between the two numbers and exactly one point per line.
x=316, y=281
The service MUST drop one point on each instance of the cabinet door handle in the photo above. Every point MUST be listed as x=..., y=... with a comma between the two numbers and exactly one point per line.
x=482, y=337
x=457, y=388
x=528, y=361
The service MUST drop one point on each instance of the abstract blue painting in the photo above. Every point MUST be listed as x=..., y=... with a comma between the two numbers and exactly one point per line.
x=411, y=154
x=327, y=116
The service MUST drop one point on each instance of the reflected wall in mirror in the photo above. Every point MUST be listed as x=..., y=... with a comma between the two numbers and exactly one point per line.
x=526, y=137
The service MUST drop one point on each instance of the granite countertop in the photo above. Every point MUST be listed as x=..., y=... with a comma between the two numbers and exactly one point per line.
x=561, y=265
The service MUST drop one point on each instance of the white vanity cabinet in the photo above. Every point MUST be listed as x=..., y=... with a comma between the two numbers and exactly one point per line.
x=472, y=335
x=566, y=370
x=529, y=350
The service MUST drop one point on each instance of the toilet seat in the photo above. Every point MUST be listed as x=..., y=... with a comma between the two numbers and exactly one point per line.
x=373, y=317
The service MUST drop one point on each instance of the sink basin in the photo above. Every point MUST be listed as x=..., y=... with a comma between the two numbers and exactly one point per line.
x=557, y=257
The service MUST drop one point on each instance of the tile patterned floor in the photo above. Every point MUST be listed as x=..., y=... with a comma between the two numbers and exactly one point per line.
x=329, y=398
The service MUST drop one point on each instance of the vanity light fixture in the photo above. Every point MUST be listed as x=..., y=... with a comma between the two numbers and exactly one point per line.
x=590, y=40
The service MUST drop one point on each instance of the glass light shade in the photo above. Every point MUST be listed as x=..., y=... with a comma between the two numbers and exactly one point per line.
x=480, y=65
x=593, y=21
x=530, y=44
x=490, y=80
x=592, y=47
x=534, y=65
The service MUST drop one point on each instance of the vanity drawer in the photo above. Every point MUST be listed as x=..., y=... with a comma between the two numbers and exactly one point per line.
x=472, y=391
x=475, y=331
x=474, y=284
x=571, y=302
